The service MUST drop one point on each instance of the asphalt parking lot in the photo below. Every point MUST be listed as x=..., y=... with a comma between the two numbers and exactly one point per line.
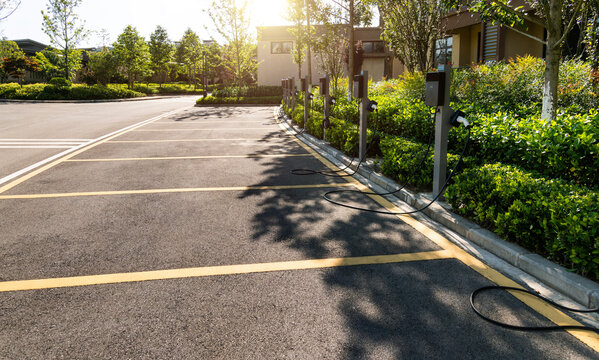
x=188, y=237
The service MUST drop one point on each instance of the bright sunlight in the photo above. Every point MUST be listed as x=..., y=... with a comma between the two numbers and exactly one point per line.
x=267, y=12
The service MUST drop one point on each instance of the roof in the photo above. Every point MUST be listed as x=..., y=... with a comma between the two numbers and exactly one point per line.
x=29, y=46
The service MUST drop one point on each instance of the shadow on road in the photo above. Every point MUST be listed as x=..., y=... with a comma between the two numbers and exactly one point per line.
x=414, y=310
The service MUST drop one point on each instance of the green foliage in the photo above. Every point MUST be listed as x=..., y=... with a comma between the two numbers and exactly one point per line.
x=190, y=53
x=74, y=92
x=248, y=91
x=264, y=100
x=103, y=66
x=132, y=54
x=550, y=217
x=62, y=26
x=60, y=81
x=161, y=52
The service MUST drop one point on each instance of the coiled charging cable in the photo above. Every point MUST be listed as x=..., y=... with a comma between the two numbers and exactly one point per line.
x=530, y=328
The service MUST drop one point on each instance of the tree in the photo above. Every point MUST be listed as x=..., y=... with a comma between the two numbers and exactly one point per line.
x=103, y=66
x=8, y=49
x=296, y=14
x=191, y=54
x=52, y=63
x=351, y=13
x=8, y=7
x=411, y=28
x=62, y=25
x=330, y=48
x=161, y=53
x=558, y=17
x=16, y=66
x=232, y=24
x=132, y=55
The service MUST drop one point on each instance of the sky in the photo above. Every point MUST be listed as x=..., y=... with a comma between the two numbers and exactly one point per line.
x=114, y=15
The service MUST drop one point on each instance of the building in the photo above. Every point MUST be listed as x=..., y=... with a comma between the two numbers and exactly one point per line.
x=472, y=41
x=275, y=61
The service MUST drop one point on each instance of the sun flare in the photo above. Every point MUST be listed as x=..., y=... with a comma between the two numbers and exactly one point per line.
x=267, y=12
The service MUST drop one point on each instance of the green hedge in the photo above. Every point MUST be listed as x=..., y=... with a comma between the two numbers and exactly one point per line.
x=547, y=216
x=265, y=100
x=75, y=92
x=248, y=91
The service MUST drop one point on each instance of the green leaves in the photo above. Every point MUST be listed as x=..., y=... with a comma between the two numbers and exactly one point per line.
x=132, y=54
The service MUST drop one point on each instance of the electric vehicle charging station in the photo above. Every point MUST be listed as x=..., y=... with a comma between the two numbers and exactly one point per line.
x=293, y=92
x=307, y=98
x=437, y=95
x=361, y=92
x=324, y=91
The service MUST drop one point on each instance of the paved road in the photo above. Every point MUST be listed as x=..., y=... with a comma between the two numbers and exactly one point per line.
x=188, y=237
x=33, y=132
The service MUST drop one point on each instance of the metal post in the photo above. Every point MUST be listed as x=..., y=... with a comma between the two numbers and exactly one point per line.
x=327, y=107
x=364, y=116
x=204, y=82
x=306, y=110
x=442, y=127
x=293, y=89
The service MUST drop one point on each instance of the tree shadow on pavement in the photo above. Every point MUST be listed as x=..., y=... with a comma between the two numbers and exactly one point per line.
x=412, y=310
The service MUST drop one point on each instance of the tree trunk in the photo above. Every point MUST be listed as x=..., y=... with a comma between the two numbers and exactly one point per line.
x=552, y=60
x=309, y=40
x=350, y=65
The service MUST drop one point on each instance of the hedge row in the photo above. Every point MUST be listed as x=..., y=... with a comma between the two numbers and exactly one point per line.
x=547, y=216
x=264, y=100
x=75, y=92
x=248, y=91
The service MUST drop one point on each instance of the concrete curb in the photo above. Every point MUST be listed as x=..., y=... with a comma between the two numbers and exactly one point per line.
x=143, y=98
x=578, y=288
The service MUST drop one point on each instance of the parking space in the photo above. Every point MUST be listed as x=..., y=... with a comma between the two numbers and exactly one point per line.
x=245, y=259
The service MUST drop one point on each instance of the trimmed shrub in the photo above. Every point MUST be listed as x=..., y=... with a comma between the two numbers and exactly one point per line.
x=248, y=91
x=60, y=81
x=265, y=100
x=74, y=92
x=547, y=216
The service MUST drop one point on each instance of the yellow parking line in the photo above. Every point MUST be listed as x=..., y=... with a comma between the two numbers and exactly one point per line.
x=193, y=157
x=51, y=283
x=164, y=191
x=177, y=140
x=554, y=315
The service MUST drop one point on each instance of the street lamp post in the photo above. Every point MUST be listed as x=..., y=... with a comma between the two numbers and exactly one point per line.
x=204, y=81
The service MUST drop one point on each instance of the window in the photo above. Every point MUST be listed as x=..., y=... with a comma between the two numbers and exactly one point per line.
x=371, y=47
x=443, y=50
x=281, y=47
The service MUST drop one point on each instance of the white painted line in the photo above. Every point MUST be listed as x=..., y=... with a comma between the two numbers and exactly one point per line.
x=39, y=143
x=34, y=147
x=67, y=140
x=66, y=152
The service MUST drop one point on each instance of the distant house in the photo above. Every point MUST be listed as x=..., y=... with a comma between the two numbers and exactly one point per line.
x=275, y=61
x=471, y=41
x=30, y=48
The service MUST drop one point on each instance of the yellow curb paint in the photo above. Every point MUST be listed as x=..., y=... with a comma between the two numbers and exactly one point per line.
x=164, y=191
x=192, y=157
x=556, y=316
x=38, y=171
x=51, y=283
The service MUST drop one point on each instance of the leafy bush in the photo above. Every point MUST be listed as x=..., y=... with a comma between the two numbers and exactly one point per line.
x=75, y=92
x=60, y=81
x=248, y=91
x=550, y=217
x=266, y=100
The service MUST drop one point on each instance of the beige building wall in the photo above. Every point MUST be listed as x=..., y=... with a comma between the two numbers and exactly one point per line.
x=520, y=45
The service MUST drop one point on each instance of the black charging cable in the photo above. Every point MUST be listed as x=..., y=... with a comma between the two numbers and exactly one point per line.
x=530, y=328
x=335, y=173
x=385, y=212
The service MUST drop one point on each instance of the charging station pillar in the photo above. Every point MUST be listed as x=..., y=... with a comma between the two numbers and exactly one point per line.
x=293, y=94
x=324, y=91
x=442, y=126
x=306, y=90
x=363, y=95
